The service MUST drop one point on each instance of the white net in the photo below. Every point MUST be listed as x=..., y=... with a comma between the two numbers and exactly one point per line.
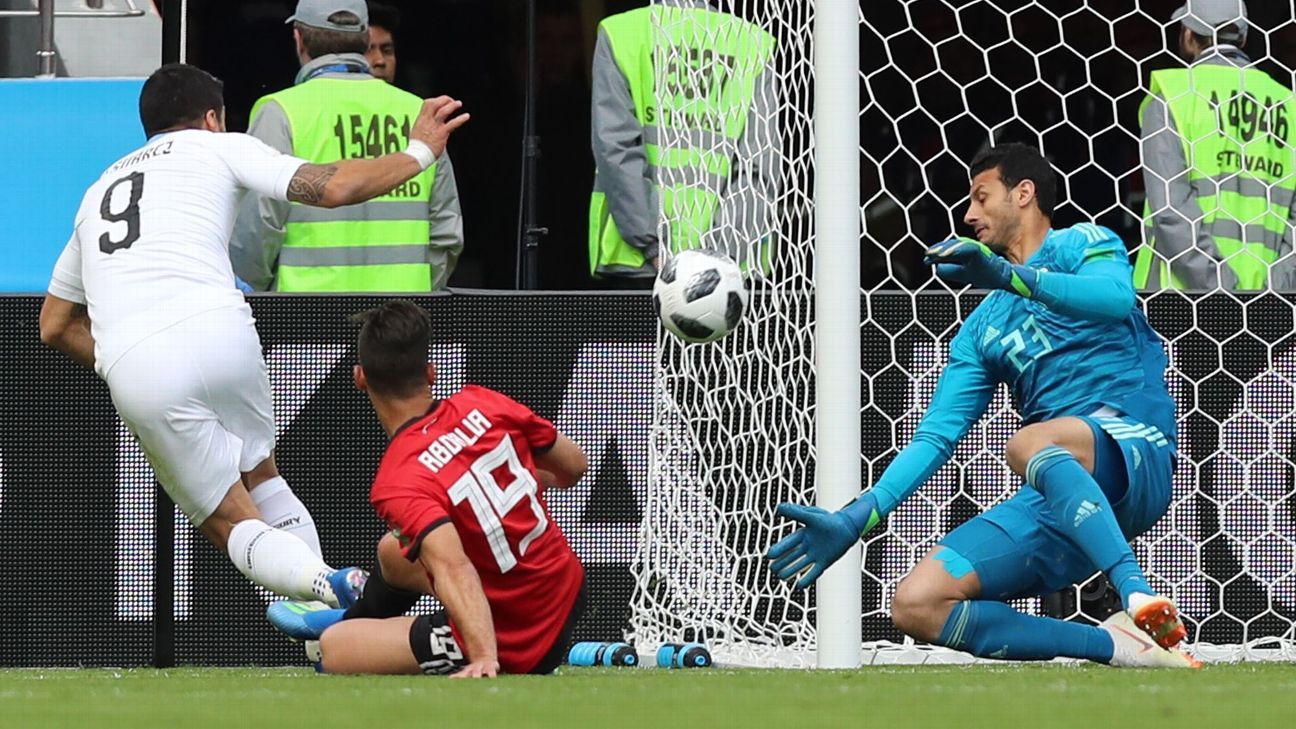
x=733, y=422
x=733, y=427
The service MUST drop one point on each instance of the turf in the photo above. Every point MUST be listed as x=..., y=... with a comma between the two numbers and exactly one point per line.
x=1049, y=696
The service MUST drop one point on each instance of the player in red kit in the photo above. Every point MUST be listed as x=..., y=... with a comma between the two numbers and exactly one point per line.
x=461, y=488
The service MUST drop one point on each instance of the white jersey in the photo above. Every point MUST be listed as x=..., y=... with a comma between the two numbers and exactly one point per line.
x=151, y=244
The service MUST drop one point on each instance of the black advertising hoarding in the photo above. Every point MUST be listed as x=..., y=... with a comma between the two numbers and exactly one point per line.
x=78, y=526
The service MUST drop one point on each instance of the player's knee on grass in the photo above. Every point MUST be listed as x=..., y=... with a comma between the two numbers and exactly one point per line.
x=368, y=646
x=341, y=648
x=925, y=597
x=331, y=646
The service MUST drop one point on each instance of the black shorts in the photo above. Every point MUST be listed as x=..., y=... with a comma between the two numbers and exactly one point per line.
x=439, y=654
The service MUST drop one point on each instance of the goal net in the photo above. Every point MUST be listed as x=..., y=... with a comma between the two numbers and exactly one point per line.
x=733, y=430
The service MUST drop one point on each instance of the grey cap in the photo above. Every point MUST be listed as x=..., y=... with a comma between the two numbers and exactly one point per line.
x=1214, y=18
x=315, y=13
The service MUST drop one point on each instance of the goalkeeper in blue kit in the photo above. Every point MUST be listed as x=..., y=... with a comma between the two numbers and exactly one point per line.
x=1097, y=448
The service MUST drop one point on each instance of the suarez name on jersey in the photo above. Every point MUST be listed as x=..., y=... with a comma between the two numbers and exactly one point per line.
x=150, y=246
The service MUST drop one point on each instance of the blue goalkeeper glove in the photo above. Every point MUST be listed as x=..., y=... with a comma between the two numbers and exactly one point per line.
x=968, y=261
x=822, y=539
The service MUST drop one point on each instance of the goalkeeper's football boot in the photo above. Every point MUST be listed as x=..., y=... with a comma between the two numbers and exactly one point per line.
x=302, y=620
x=1159, y=618
x=348, y=585
x=1133, y=649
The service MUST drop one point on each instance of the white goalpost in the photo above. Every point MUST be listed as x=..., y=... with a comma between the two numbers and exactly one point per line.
x=837, y=314
x=861, y=141
x=771, y=413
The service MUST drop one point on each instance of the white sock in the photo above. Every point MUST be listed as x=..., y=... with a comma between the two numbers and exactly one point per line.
x=279, y=562
x=1138, y=600
x=281, y=509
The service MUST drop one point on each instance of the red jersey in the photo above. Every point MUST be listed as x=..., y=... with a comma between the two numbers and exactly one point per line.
x=469, y=462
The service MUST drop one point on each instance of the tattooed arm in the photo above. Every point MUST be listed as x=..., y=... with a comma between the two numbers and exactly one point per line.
x=350, y=181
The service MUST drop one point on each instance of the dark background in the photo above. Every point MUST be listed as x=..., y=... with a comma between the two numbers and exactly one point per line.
x=472, y=50
x=1067, y=77
x=949, y=96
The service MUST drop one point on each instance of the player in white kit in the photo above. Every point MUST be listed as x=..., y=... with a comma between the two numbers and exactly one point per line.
x=144, y=293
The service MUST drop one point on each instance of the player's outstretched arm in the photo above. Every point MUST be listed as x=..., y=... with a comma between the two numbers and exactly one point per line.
x=1101, y=289
x=459, y=588
x=351, y=181
x=823, y=537
x=65, y=326
x=564, y=463
x=962, y=395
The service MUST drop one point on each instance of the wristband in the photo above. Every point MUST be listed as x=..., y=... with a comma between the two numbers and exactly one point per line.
x=1022, y=280
x=421, y=154
x=863, y=513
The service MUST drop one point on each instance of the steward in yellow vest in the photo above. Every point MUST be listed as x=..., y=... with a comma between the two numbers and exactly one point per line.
x=683, y=132
x=405, y=241
x=1219, y=165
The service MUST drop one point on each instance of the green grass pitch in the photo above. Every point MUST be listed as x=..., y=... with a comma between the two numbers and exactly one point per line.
x=1045, y=696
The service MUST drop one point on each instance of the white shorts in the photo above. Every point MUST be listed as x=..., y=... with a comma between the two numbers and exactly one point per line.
x=197, y=397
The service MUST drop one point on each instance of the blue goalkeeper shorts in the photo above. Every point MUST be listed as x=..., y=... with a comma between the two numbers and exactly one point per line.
x=1016, y=547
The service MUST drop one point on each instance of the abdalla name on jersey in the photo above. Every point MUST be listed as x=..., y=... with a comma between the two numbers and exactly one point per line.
x=448, y=445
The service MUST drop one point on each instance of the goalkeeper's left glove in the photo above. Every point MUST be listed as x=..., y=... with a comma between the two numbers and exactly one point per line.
x=822, y=539
x=968, y=261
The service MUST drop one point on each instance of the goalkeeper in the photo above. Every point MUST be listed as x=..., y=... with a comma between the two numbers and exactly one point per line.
x=1097, y=449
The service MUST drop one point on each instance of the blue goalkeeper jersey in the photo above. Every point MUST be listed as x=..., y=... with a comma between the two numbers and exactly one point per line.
x=1055, y=364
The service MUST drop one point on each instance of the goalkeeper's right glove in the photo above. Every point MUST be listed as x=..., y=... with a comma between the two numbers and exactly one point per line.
x=968, y=261
x=823, y=538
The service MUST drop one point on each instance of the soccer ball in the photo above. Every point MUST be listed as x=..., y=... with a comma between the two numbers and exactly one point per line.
x=700, y=295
